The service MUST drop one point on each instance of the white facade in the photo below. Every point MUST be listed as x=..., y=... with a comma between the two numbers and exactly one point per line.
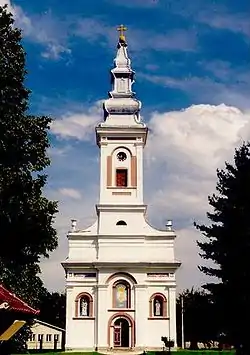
x=120, y=272
x=45, y=336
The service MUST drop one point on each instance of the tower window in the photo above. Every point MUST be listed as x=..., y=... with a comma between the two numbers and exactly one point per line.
x=121, y=177
x=121, y=223
x=121, y=156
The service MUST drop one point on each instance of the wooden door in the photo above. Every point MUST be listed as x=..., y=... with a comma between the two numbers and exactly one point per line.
x=117, y=335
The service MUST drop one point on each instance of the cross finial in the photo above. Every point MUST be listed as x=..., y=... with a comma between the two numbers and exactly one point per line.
x=122, y=29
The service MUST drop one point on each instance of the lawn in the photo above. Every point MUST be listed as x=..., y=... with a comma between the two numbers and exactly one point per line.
x=179, y=352
x=206, y=352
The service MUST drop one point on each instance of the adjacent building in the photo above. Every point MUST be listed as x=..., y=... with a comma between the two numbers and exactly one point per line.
x=46, y=336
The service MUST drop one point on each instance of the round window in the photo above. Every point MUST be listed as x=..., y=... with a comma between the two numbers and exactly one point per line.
x=121, y=156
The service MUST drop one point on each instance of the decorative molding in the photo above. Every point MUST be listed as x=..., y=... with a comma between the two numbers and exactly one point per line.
x=121, y=193
x=122, y=105
x=121, y=188
x=131, y=322
x=90, y=305
x=163, y=305
x=134, y=171
x=158, y=318
x=83, y=318
x=109, y=170
x=125, y=264
x=121, y=310
x=120, y=274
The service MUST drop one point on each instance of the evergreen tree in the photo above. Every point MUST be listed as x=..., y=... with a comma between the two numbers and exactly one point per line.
x=227, y=245
x=26, y=216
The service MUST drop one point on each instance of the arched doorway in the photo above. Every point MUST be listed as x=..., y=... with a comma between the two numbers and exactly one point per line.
x=121, y=333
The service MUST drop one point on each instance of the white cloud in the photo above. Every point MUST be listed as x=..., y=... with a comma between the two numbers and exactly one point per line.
x=217, y=15
x=187, y=147
x=184, y=150
x=227, y=90
x=236, y=22
x=55, y=50
x=83, y=210
x=69, y=192
x=78, y=125
x=42, y=29
x=188, y=252
x=9, y=5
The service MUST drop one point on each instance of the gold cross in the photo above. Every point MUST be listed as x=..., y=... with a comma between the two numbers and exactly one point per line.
x=121, y=29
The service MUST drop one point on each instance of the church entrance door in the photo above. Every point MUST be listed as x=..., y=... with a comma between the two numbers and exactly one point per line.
x=121, y=333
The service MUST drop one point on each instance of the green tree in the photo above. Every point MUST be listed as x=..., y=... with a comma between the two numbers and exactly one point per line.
x=227, y=245
x=53, y=309
x=26, y=216
x=199, y=318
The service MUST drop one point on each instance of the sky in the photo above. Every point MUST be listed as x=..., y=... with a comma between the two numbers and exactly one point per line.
x=191, y=60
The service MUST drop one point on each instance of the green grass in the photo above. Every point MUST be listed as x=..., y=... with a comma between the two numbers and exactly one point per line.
x=179, y=352
x=206, y=352
x=58, y=353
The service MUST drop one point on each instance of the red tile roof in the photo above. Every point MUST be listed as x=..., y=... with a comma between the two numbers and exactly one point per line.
x=13, y=303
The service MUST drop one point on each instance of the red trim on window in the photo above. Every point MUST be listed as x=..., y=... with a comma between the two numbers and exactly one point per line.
x=77, y=300
x=128, y=288
x=151, y=306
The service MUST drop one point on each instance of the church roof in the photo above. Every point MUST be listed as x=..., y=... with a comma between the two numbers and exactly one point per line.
x=11, y=302
x=52, y=326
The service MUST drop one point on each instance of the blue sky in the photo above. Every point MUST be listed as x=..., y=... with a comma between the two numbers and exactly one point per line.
x=192, y=75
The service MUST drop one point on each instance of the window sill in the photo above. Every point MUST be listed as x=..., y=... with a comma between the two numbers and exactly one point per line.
x=121, y=310
x=83, y=318
x=158, y=318
x=121, y=187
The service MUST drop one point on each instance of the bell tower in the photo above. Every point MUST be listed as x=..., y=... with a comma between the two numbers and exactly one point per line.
x=121, y=137
x=120, y=271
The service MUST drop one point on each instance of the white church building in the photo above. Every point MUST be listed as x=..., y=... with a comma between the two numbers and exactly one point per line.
x=120, y=272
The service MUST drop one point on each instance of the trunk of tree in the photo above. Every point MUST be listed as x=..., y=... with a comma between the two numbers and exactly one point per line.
x=193, y=345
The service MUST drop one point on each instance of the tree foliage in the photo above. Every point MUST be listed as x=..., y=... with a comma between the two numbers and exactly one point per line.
x=199, y=318
x=26, y=215
x=53, y=309
x=227, y=245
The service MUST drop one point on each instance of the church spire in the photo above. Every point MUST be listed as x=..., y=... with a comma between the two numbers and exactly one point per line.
x=122, y=107
x=122, y=38
x=122, y=60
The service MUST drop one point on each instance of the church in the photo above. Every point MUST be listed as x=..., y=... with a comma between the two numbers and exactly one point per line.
x=120, y=272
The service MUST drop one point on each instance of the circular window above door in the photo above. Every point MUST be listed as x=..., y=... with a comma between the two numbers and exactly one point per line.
x=121, y=156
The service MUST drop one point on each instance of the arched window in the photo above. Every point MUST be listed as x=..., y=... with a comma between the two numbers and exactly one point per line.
x=121, y=294
x=84, y=305
x=158, y=306
x=121, y=223
x=121, y=177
